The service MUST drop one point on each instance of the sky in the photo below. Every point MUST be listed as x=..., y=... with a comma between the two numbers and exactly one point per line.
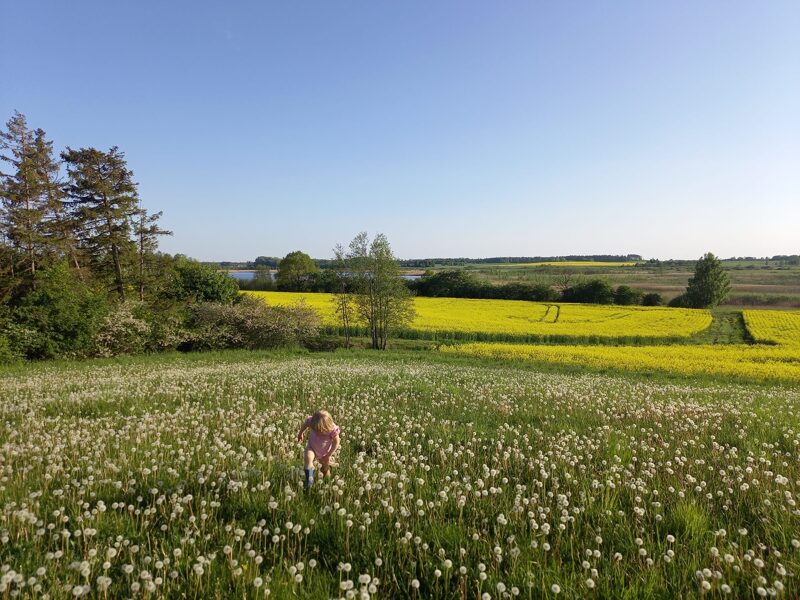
x=457, y=128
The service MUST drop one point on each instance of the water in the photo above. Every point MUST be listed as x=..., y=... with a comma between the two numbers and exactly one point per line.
x=249, y=275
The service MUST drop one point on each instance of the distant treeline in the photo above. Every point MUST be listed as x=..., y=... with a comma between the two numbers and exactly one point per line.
x=272, y=262
x=461, y=284
x=515, y=260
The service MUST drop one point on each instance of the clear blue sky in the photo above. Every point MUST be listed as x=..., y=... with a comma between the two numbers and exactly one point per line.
x=457, y=128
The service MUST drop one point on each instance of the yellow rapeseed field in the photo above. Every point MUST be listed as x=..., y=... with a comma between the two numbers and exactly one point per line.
x=774, y=326
x=513, y=319
x=756, y=362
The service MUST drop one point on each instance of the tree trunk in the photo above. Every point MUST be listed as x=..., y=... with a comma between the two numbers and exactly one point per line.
x=141, y=259
x=117, y=271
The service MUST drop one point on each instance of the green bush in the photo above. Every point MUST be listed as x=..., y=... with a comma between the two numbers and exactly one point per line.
x=249, y=324
x=59, y=319
x=652, y=299
x=595, y=291
x=167, y=329
x=678, y=302
x=627, y=296
x=190, y=280
x=7, y=354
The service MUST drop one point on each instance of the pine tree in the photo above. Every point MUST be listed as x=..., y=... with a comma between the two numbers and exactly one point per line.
x=27, y=194
x=103, y=201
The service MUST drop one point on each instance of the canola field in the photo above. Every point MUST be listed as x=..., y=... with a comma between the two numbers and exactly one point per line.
x=774, y=326
x=736, y=360
x=179, y=477
x=514, y=320
x=776, y=358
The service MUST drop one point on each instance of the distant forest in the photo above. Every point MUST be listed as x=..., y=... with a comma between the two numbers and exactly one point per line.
x=271, y=262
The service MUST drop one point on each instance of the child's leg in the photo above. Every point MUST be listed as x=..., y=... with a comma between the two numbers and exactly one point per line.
x=308, y=466
x=325, y=466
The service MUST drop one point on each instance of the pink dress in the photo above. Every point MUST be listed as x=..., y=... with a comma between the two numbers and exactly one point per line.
x=320, y=443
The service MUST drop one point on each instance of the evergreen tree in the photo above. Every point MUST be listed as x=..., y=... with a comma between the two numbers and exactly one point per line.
x=29, y=194
x=710, y=284
x=103, y=201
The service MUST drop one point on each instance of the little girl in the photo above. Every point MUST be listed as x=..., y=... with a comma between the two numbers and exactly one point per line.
x=322, y=443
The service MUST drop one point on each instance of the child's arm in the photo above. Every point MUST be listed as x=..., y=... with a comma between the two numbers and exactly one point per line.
x=335, y=445
x=303, y=428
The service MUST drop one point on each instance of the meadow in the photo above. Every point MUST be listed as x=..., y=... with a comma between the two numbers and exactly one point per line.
x=565, y=263
x=515, y=320
x=178, y=476
x=754, y=284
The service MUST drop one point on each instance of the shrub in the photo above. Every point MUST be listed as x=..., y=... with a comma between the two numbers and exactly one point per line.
x=167, y=329
x=678, y=302
x=652, y=299
x=447, y=284
x=595, y=291
x=257, y=284
x=249, y=324
x=627, y=296
x=461, y=284
x=123, y=330
x=7, y=354
x=60, y=318
x=193, y=281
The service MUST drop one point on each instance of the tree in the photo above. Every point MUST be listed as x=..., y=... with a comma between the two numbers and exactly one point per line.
x=195, y=282
x=710, y=284
x=147, y=231
x=382, y=300
x=59, y=318
x=594, y=291
x=296, y=272
x=652, y=299
x=625, y=295
x=342, y=295
x=29, y=193
x=449, y=284
x=103, y=199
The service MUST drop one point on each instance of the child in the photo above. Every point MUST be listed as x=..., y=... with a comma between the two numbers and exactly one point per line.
x=322, y=443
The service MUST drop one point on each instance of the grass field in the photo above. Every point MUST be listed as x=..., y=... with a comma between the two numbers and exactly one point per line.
x=513, y=320
x=753, y=283
x=577, y=263
x=177, y=476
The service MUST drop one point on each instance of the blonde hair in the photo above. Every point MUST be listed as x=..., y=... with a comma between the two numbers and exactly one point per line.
x=322, y=422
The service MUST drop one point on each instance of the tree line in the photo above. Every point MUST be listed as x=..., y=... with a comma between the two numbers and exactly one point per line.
x=298, y=272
